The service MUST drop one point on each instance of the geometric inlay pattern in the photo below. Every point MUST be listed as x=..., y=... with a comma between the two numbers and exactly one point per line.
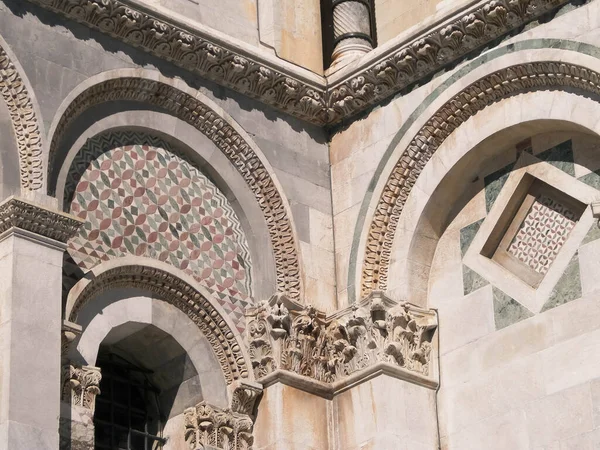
x=542, y=233
x=144, y=199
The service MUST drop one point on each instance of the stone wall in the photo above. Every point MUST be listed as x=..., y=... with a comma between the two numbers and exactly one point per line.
x=394, y=17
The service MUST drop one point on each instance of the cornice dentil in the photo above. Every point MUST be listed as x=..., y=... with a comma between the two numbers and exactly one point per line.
x=311, y=98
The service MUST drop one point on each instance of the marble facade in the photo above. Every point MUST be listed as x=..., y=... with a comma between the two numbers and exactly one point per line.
x=393, y=247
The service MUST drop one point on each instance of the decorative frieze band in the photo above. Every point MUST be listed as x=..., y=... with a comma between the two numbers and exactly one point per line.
x=21, y=214
x=285, y=336
x=322, y=102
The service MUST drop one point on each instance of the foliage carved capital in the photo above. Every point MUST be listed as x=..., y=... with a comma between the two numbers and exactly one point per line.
x=283, y=335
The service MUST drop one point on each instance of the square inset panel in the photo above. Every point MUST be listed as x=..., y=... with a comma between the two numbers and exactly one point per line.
x=532, y=231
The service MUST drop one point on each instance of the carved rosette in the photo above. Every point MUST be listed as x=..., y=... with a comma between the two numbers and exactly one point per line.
x=81, y=385
x=207, y=425
x=19, y=213
x=284, y=335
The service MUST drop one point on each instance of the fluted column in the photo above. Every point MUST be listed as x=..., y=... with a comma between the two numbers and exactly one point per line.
x=353, y=35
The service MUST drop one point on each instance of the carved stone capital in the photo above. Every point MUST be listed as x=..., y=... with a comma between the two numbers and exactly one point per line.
x=24, y=215
x=213, y=427
x=81, y=385
x=245, y=398
x=70, y=331
x=283, y=335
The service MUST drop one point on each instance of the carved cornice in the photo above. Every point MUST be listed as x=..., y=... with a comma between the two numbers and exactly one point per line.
x=376, y=79
x=285, y=336
x=490, y=89
x=211, y=59
x=81, y=385
x=25, y=123
x=21, y=214
x=185, y=297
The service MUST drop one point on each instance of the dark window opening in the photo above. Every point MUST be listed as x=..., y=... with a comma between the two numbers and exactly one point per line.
x=127, y=415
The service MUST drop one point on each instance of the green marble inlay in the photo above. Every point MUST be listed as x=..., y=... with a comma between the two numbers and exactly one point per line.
x=494, y=183
x=561, y=157
x=591, y=179
x=568, y=287
x=592, y=234
x=507, y=310
x=472, y=280
x=467, y=234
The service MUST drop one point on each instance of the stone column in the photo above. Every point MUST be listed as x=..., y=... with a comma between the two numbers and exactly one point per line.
x=352, y=33
x=32, y=243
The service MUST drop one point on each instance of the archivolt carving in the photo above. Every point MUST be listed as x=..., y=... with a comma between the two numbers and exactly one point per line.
x=285, y=335
x=25, y=124
x=429, y=53
x=225, y=137
x=494, y=87
x=311, y=101
x=185, y=297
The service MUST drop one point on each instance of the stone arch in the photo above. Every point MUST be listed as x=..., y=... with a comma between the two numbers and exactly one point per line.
x=214, y=163
x=149, y=89
x=20, y=101
x=501, y=84
x=175, y=288
x=137, y=311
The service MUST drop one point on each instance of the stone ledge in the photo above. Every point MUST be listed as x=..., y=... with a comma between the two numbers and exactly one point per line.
x=296, y=91
x=17, y=214
x=330, y=390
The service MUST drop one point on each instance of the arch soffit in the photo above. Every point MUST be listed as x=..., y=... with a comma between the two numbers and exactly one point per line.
x=413, y=147
x=175, y=97
x=174, y=287
x=17, y=93
x=167, y=318
x=227, y=179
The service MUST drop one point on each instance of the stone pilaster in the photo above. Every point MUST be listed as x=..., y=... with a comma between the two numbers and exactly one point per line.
x=32, y=242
